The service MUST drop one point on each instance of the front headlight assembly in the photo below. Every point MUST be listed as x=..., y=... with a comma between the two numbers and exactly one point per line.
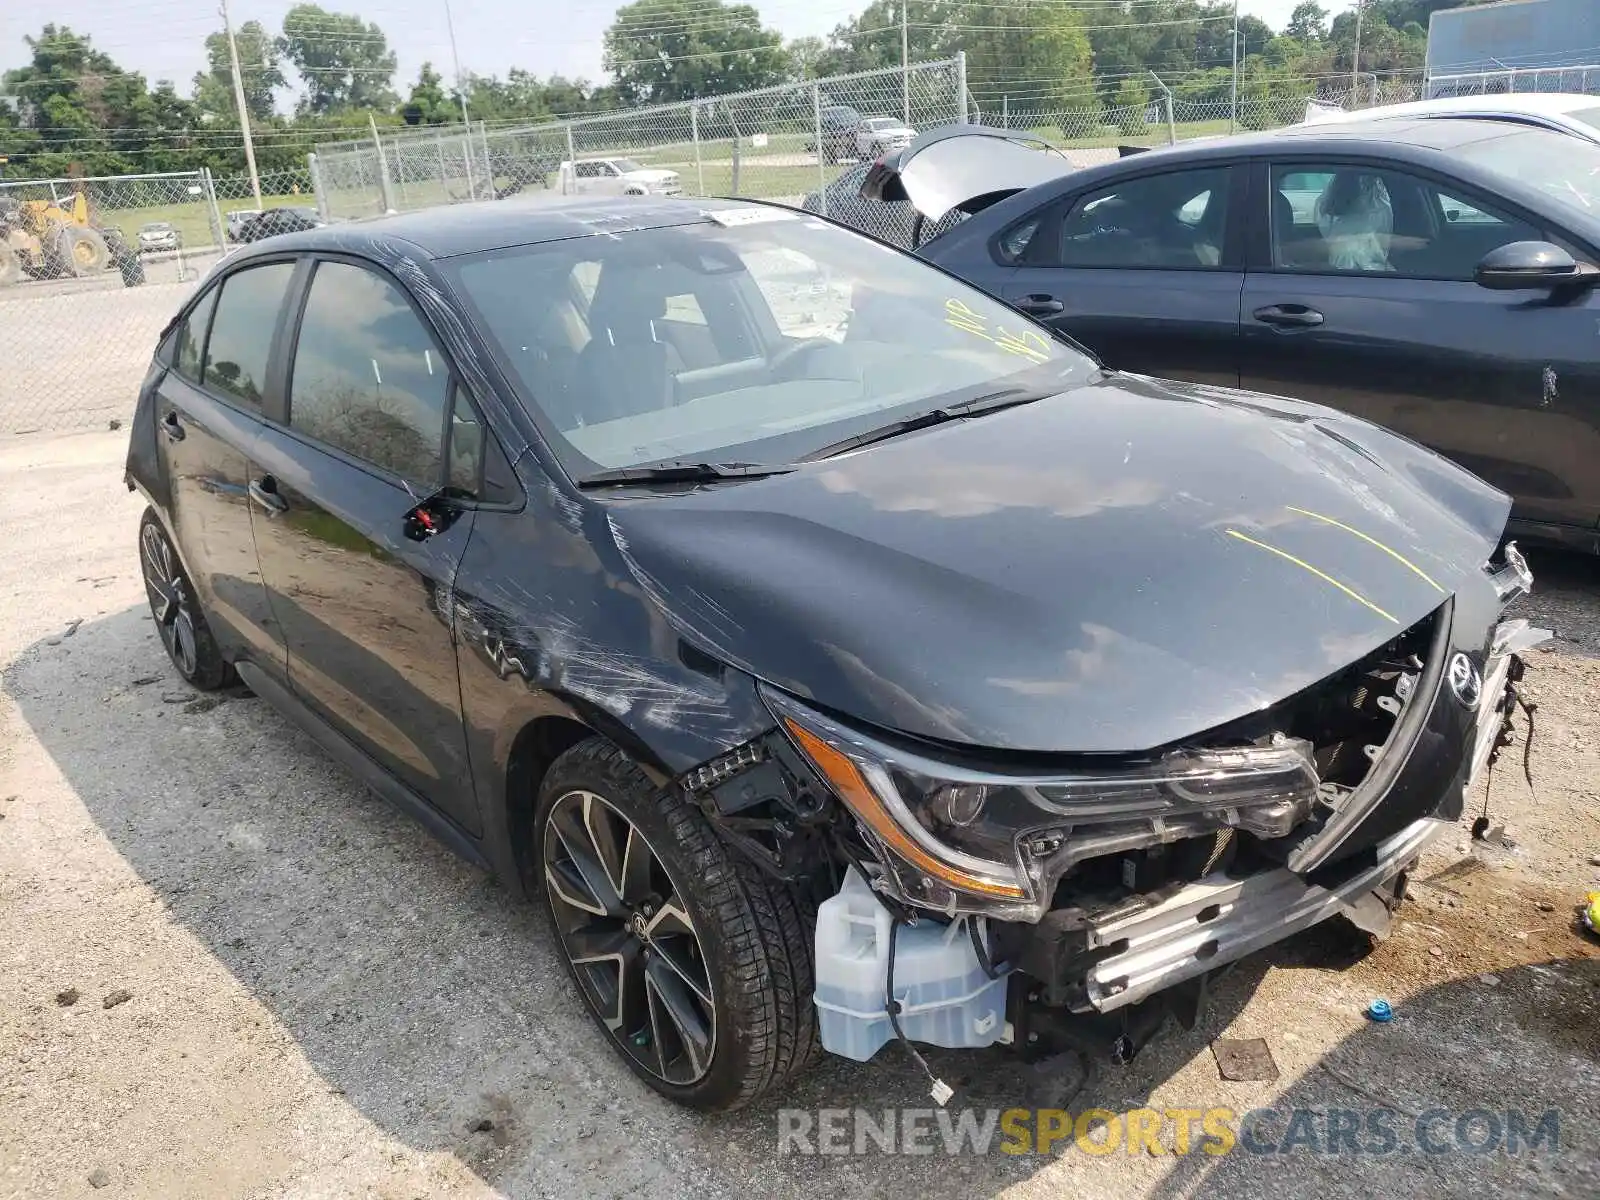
x=960, y=839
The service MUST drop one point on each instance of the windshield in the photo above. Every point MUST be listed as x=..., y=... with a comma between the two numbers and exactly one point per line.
x=758, y=335
x=1566, y=167
x=626, y=165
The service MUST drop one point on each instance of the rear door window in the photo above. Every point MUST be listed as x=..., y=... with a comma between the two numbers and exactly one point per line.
x=192, y=338
x=242, y=327
x=1174, y=221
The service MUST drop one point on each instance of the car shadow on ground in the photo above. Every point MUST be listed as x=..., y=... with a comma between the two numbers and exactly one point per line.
x=433, y=1001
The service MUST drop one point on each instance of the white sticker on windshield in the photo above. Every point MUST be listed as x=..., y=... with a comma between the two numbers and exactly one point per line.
x=730, y=217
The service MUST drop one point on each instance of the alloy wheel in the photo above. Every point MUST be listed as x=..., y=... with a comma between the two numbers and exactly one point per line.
x=630, y=938
x=164, y=584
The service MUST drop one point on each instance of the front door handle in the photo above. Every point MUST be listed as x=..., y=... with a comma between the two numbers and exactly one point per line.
x=1039, y=306
x=264, y=491
x=1289, y=316
x=172, y=427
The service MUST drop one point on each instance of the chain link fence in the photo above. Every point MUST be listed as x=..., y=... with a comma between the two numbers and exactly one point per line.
x=90, y=269
x=1583, y=79
x=791, y=143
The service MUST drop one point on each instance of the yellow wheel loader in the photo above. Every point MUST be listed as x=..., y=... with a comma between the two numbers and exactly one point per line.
x=43, y=239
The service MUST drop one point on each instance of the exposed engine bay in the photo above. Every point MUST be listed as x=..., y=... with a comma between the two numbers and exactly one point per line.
x=1037, y=902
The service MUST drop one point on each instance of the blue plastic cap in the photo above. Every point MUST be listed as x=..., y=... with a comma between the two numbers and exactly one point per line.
x=1379, y=1010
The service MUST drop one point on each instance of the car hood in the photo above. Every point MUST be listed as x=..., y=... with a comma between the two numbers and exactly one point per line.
x=650, y=175
x=962, y=166
x=1109, y=570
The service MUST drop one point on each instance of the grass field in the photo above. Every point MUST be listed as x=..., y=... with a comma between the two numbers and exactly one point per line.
x=190, y=218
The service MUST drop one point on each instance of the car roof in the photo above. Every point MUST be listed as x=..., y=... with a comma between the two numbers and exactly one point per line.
x=1413, y=138
x=1513, y=103
x=455, y=229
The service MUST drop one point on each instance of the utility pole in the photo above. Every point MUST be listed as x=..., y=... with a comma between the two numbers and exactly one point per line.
x=238, y=99
x=1233, y=108
x=905, y=61
x=466, y=121
x=1355, y=63
x=455, y=61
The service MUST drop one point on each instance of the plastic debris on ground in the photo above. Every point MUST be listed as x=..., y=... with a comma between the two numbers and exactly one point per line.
x=1245, y=1060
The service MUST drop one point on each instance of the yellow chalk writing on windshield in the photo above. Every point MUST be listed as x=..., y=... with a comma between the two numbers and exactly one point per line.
x=1026, y=342
x=962, y=317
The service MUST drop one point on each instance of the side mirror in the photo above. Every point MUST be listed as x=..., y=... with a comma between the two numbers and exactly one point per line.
x=1520, y=266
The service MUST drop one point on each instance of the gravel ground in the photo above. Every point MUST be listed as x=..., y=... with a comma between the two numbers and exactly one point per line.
x=280, y=987
x=71, y=344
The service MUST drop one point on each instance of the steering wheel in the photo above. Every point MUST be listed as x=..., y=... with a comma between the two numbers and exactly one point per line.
x=786, y=356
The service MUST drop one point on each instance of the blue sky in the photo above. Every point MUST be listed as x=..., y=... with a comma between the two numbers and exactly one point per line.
x=164, y=38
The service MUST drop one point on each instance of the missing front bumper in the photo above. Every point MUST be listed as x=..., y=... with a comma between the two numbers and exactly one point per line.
x=1218, y=920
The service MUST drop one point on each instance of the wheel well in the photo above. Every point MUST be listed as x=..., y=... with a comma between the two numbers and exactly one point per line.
x=539, y=744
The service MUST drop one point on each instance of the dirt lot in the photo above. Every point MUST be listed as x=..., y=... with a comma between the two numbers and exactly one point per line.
x=323, y=1002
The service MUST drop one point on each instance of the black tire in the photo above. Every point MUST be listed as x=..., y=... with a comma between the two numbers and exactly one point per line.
x=180, y=623
x=81, y=252
x=751, y=937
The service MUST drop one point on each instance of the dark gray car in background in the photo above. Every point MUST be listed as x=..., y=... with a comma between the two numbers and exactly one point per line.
x=1434, y=276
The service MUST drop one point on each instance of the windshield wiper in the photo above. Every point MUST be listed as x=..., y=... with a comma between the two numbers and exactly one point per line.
x=682, y=472
x=978, y=406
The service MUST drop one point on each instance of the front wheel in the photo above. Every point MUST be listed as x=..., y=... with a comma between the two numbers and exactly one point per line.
x=697, y=967
x=182, y=626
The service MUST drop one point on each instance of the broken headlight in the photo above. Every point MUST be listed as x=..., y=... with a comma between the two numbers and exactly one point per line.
x=1511, y=578
x=961, y=839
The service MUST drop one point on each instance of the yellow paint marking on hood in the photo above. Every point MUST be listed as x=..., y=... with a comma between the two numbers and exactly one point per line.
x=1322, y=575
x=1371, y=541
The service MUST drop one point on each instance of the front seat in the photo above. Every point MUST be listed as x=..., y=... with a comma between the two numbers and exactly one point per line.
x=1356, y=220
x=626, y=368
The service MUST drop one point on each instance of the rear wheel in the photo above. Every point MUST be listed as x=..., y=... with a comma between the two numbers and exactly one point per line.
x=182, y=626
x=697, y=967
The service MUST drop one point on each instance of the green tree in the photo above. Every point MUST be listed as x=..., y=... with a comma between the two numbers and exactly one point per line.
x=260, y=70
x=78, y=112
x=871, y=39
x=1308, y=22
x=427, y=104
x=664, y=50
x=343, y=61
x=1041, y=42
x=806, y=56
x=1131, y=100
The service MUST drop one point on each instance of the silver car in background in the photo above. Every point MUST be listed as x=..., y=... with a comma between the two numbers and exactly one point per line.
x=157, y=236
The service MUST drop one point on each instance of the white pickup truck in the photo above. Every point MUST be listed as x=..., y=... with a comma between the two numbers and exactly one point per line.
x=616, y=177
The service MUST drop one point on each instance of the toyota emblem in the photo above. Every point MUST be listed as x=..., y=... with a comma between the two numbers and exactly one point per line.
x=1464, y=680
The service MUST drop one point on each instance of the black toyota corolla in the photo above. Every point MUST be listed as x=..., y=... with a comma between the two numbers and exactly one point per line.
x=840, y=655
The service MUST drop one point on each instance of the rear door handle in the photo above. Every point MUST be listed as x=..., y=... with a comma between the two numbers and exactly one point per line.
x=1290, y=316
x=264, y=491
x=172, y=427
x=1039, y=306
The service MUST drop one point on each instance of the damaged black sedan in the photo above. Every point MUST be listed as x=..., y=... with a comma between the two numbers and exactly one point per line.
x=842, y=656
